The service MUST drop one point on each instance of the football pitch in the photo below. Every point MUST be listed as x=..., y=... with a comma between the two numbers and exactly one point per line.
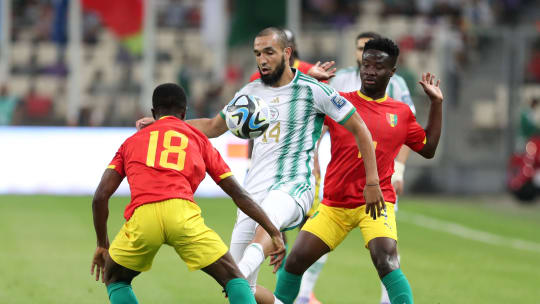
x=466, y=250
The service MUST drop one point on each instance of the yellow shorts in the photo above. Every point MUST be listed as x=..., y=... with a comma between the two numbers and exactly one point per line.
x=332, y=224
x=175, y=222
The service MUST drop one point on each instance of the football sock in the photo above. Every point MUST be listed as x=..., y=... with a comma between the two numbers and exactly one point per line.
x=287, y=286
x=399, y=290
x=310, y=277
x=121, y=293
x=384, y=294
x=239, y=292
x=252, y=259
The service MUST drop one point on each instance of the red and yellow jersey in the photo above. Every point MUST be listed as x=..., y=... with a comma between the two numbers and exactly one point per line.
x=302, y=66
x=165, y=160
x=392, y=124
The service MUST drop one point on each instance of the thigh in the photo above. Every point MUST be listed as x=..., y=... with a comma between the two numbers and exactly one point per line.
x=283, y=210
x=330, y=224
x=307, y=249
x=197, y=244
x=383, y=226
x=223, y=270
x=139, y=239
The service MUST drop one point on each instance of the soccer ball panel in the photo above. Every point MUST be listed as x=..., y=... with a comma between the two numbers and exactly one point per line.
x=247, y=116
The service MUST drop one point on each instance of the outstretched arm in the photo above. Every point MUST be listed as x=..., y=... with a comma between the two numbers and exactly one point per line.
x=372, y=191
x=100, y=209
x=244, y=202
x=433, y=128
x=211, y=127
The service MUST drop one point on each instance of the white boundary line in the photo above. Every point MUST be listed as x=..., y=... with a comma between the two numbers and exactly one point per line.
x=465, y=232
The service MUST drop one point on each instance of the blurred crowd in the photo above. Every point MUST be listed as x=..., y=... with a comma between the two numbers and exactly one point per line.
x=35, y=94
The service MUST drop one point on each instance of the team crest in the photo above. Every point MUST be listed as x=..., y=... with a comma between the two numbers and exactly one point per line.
x=274, y=114
x=392, y=119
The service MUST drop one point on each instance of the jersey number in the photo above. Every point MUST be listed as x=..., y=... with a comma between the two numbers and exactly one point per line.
x=169, y=148
x=272, y=133
x=374, y=147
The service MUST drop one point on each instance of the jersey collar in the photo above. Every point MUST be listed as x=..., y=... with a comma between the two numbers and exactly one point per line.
x=371, y=99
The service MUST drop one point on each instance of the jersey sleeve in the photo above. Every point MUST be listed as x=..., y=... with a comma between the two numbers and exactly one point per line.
x=416, y=135
x=328, y=101
x=215, y=165
x=117, y=162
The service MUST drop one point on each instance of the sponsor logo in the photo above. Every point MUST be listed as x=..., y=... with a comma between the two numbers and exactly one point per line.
x=392, y=119
x=338, y=101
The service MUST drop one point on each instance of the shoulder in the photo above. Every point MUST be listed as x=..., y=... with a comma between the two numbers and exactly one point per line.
x=400, y=106
x=250, y=86
x=317, y=86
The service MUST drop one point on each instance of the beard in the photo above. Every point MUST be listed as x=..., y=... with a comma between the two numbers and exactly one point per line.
x=273, y=78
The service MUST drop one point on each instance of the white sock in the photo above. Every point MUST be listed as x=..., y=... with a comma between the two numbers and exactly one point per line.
x=310, y=277
x=252, y=259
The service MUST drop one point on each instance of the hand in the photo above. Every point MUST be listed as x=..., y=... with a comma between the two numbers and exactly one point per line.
x=374, y=200
x=398, y=186
x=432, y=90
x=144, y=122
x=277, y=256
x=98, y=263
x=322, y=71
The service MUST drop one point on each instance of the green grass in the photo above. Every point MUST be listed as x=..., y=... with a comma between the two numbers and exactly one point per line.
x=48, y=243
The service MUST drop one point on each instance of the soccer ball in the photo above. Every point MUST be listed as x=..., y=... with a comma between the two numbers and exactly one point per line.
x=247, y=116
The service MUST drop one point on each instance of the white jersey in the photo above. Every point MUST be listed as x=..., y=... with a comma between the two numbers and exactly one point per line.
x=348, y=80
x=282, y=157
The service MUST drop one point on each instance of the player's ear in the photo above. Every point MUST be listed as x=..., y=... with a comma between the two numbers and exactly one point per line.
x=393, y=71
x=288, y=52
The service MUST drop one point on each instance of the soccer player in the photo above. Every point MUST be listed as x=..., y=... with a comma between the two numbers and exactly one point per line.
x=165, y=164
x=392, y=124
x=348, y=80
x=280, y=178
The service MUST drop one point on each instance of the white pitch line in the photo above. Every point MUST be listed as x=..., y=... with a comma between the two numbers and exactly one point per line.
x=465, y=232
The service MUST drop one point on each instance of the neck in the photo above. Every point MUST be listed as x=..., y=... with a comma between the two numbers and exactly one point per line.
x=160, y=116
x=285, y=78
x=373, y=94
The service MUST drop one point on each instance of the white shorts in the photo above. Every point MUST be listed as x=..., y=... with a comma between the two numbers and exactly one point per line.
x=282, y=209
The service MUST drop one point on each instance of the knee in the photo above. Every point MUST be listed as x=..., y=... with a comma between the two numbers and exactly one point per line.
x=385, y=262
x=296, y=263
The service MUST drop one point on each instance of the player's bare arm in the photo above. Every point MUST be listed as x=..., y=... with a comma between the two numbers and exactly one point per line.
x=433, y=128
x=100, y=209
x=399, y=169
x=211, y=127
x=245, y=203
x=372, y=191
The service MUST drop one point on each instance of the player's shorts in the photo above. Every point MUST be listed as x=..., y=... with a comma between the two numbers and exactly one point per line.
x=175, y=222
x=332, y=224
x=282, y=209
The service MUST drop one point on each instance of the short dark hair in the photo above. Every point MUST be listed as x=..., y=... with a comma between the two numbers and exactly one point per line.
x=371, y=35
x=384, y=45
x=169, y=97
x=281, y=36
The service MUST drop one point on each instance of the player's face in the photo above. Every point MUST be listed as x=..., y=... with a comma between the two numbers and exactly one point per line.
x=271, y=58
x=376, y=70
x=360, y=43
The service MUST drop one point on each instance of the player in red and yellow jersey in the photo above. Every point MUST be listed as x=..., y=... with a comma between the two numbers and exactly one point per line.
x=392, y=124
x=164, y=165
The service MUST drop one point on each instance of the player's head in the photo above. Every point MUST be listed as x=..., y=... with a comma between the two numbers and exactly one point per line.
x=169, y=99
x=361, y=40
x=272, y=52
x=378, y=64
x=292, y=43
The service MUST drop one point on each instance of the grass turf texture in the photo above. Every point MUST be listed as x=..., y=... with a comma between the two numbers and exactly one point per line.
x=48, y=243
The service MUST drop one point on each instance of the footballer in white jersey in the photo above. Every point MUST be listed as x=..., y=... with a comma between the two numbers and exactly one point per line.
x=282, y=157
